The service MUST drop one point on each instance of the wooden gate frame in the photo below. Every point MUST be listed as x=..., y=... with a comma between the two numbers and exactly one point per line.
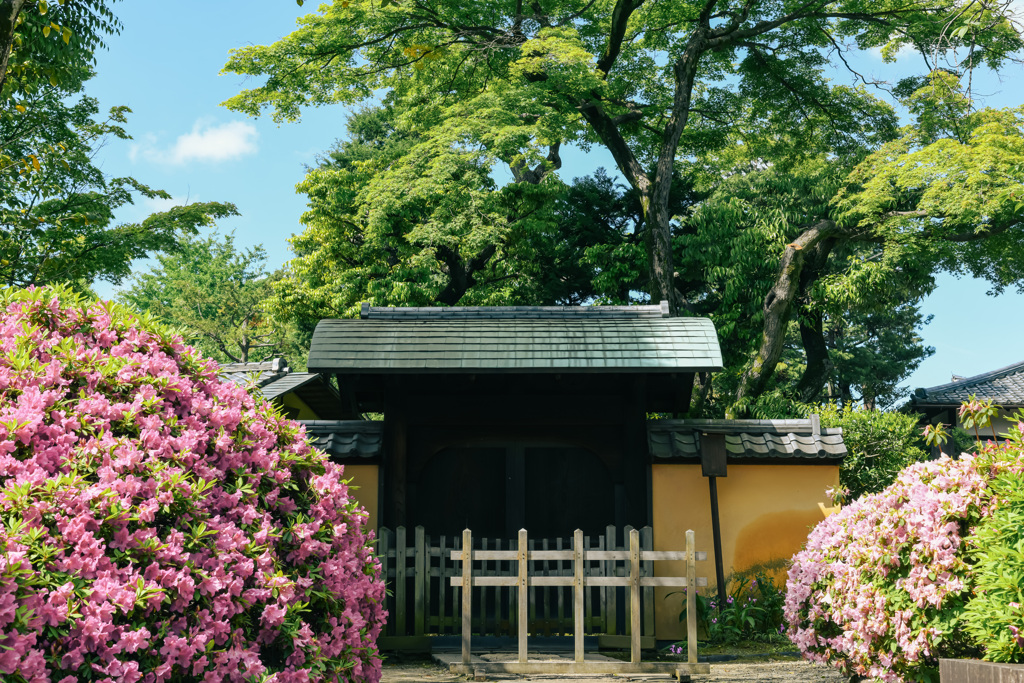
x=579, y=557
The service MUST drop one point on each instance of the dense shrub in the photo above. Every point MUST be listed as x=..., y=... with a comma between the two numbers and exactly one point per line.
x=881, y=587
x=880, y=445
x=753, y=611
x=159, y=524
x=994, y=616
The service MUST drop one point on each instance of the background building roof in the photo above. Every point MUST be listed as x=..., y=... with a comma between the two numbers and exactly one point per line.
x=274, y=379
x=747, y=439
x=1004, y=387
x=562, y=339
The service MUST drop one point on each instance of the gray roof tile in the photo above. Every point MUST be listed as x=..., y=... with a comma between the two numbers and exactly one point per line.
x=746, y=439
x=1004, y=387
x=346, y=439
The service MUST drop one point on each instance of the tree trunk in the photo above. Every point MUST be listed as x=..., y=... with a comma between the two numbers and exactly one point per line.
x=819, y=365
x=778, y=305
x=9, y=11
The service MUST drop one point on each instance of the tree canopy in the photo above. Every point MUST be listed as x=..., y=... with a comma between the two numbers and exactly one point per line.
x=214, y=295
x=57, y=207
x=654, y=83
x=790, y=208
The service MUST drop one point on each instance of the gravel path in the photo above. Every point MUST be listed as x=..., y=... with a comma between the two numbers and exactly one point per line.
x=784, y=671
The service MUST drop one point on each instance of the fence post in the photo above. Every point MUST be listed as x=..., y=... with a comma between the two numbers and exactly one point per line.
x=634, y=595
x=400, y=570
x=691, y=599
x=577, y=593
x=383, y=547
x=524, y=596
x=467, y=592
x=422, y=563
x=647, y=544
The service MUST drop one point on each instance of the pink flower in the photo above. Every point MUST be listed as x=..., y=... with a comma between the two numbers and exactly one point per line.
x=129, y=446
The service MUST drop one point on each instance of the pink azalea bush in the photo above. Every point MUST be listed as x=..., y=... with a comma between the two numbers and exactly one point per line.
x=159, y=524
x=881, y=587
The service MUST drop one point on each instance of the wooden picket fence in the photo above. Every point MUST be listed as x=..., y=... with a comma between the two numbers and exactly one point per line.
x=523, y=580
x=419, y=569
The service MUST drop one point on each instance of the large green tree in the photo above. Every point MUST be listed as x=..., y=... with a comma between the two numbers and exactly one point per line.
x=818, y=200
x=395, y=219
x=654, y=83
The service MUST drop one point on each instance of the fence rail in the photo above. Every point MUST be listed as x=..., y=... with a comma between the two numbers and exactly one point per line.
x=578, y=556
x=424, y=599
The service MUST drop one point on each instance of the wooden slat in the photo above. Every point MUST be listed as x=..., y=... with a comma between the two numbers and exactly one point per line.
x=442, y=584
x=560, y=615
x=523, y=593
x=577, y=598
x=512, y=555
x=678, y=555
x=647, y=571
x=602, y=595
x=421, y=583
x=634, y=595
x=467, y=593
x=532, y=592
x=513, y=600
x=400, y=577
x=384, y=548
x=546, y=593
x=628, y=594
x=455, y=571
x=482, y=594
x=548, y=581
x=612, y=620
x=691, y=601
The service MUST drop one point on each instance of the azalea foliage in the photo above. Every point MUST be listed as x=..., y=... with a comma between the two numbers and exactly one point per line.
x=890, y=583
x=159, y=524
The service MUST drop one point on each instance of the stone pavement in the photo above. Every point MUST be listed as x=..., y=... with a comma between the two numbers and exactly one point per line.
x=423, y=670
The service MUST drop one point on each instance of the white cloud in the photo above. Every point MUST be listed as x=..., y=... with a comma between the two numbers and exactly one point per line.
x=206, y=142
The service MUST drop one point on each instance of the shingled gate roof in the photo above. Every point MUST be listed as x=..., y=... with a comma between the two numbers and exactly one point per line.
x=516, y=339
x=1004, y=387
x=747, y=439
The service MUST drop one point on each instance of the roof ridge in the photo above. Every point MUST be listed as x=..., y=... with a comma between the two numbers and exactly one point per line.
x=499, y=312
x=968, y=381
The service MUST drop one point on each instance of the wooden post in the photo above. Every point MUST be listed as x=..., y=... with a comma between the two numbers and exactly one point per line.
x=400, y=575
x=634, y=595
x=691, y=599
x=467, y=592
x=422, y=582
x=647, y=543
x=716, y=530
x=383, y=548
x=524, y=596
x=611, y=593
x=577, y=592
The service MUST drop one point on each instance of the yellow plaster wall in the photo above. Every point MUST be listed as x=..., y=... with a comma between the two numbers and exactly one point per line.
x=290, y=400
x=766, y=512
x=365, y=478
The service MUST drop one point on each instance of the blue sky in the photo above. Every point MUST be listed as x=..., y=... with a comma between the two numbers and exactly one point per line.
x=165, y=65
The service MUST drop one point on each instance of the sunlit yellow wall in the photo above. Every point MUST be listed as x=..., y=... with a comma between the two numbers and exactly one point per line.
x=365, y=478
x=766, y=512
x=305, y=412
